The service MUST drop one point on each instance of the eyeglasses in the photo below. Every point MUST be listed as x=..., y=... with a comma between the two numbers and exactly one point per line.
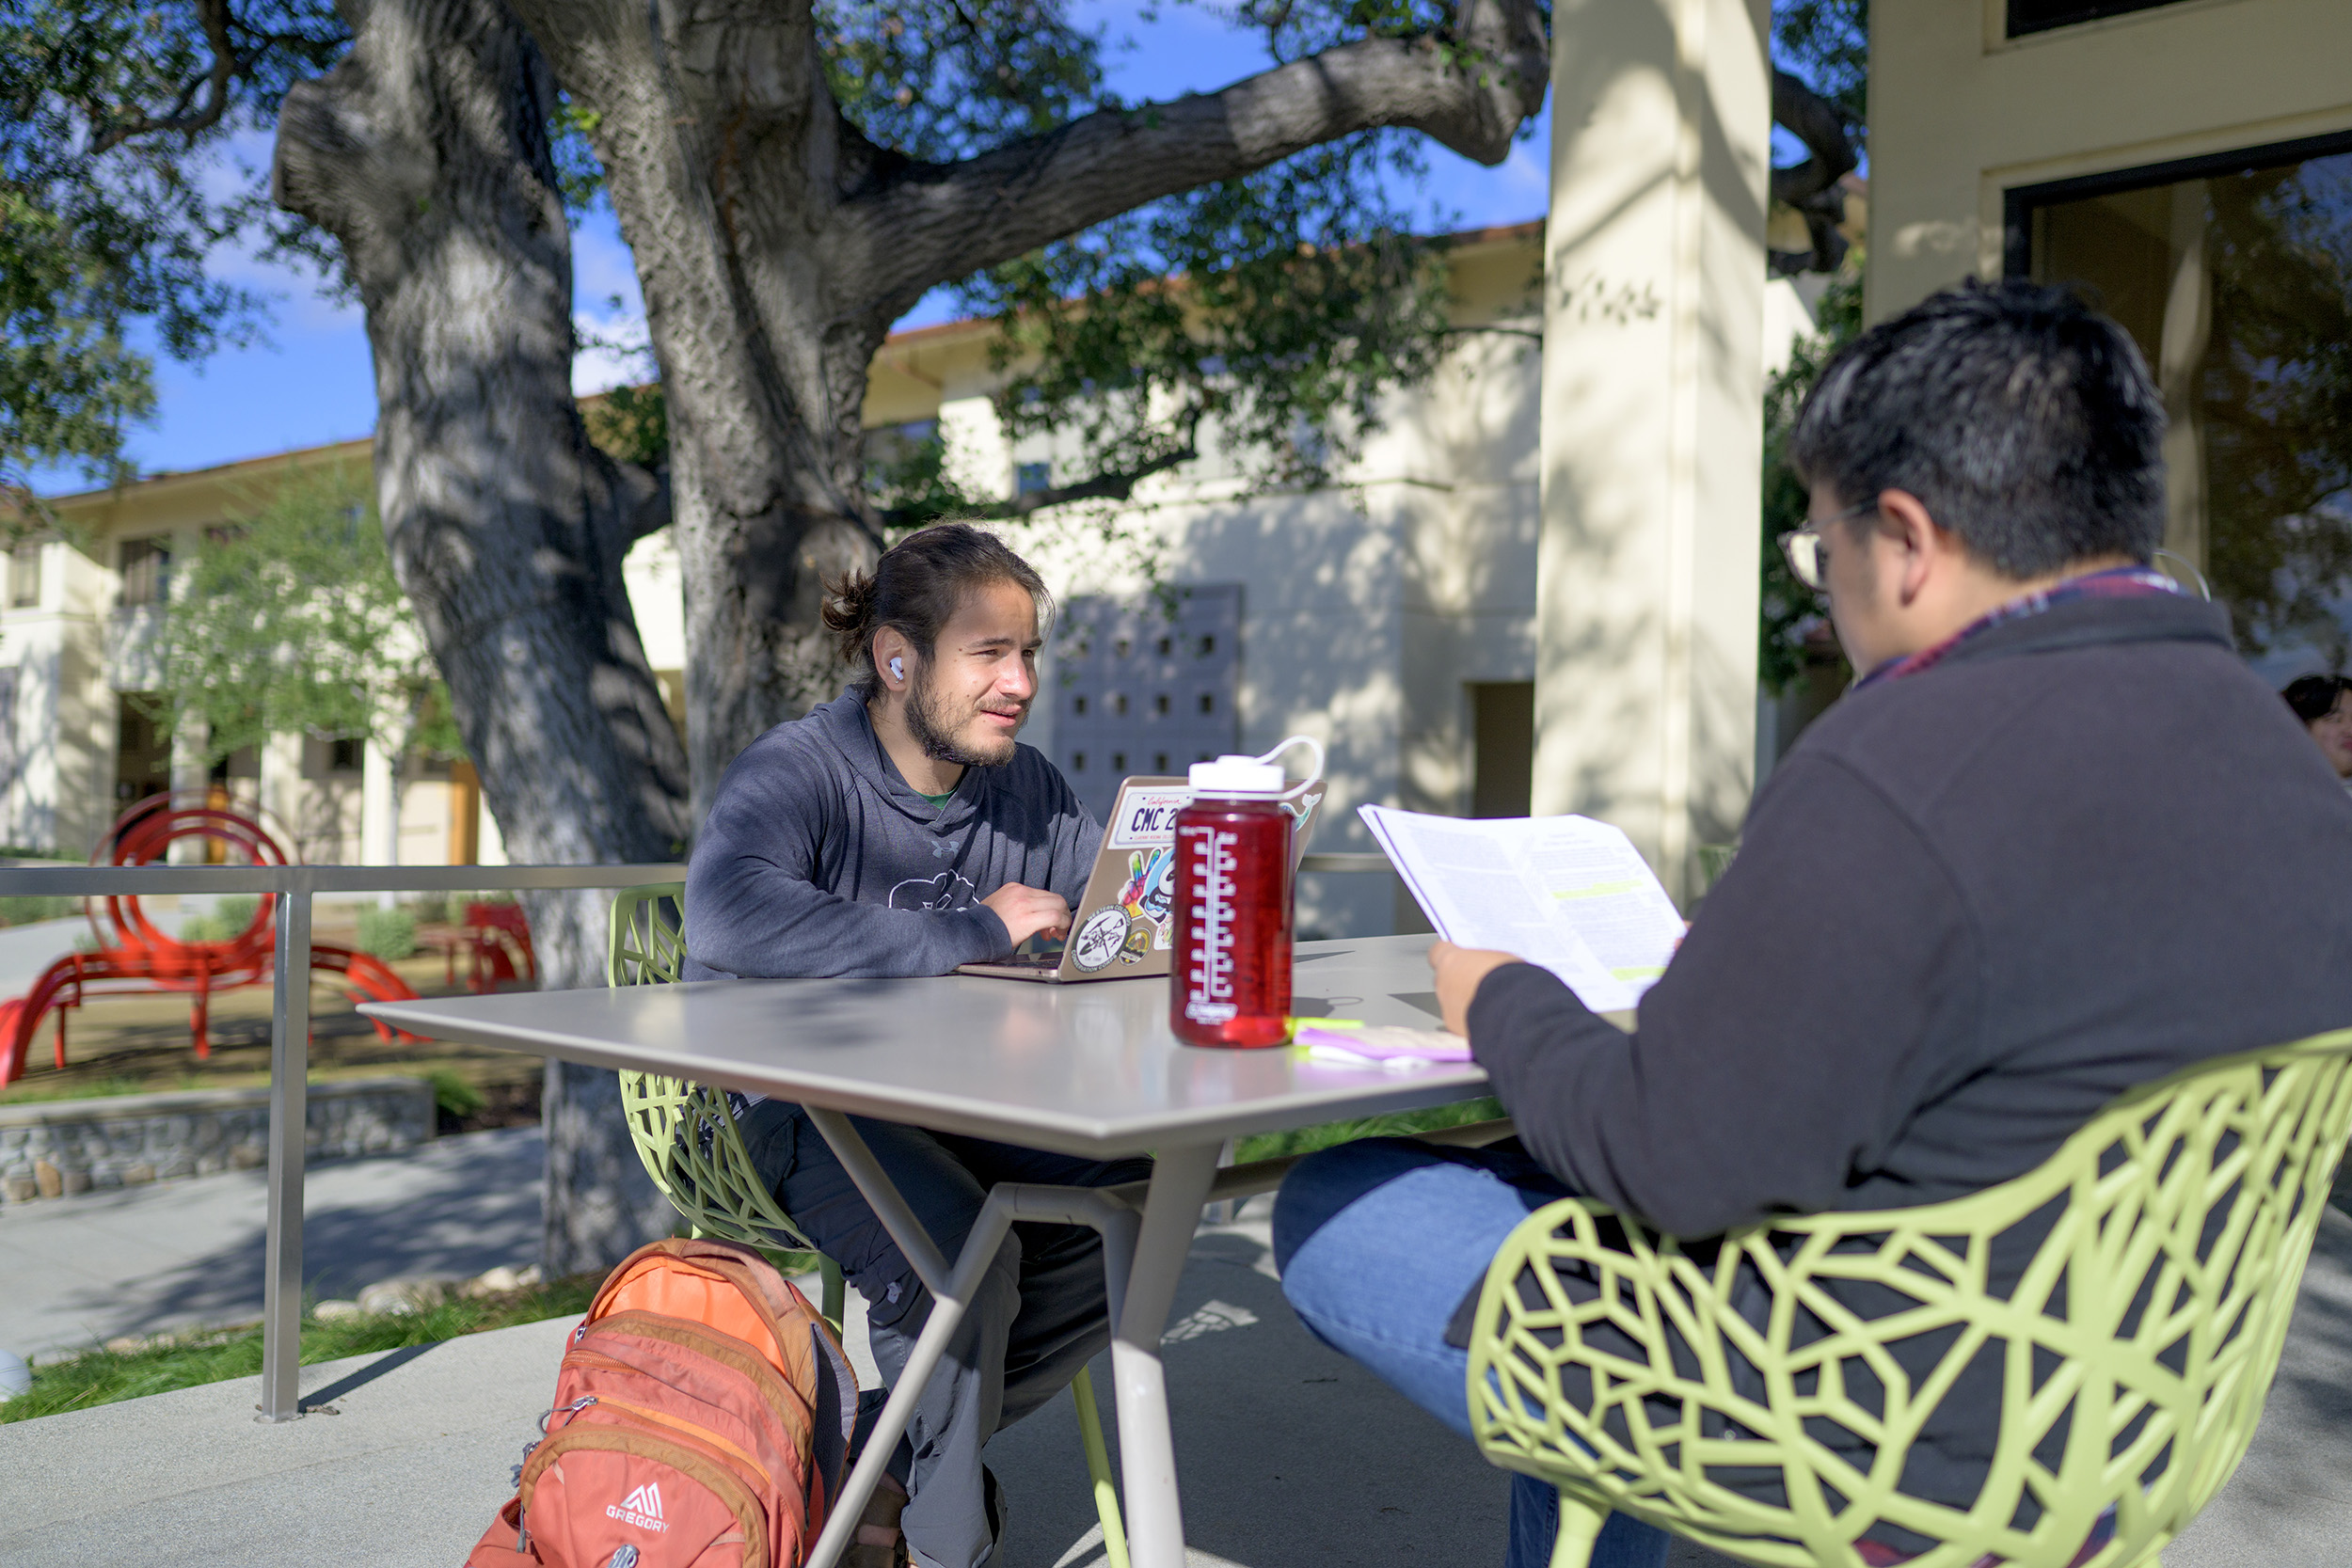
x=1807, y=556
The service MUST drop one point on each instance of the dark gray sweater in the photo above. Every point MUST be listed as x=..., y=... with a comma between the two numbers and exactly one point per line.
x=819, y=860
x=1972, y=906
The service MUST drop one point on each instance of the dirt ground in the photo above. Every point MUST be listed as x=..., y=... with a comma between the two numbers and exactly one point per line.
x=139, y=1043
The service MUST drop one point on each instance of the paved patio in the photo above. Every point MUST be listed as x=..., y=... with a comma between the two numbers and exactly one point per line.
x=78, y=1271
x=1291, y=1455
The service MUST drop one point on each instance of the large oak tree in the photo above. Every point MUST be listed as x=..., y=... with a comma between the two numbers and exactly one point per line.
x=791, y=178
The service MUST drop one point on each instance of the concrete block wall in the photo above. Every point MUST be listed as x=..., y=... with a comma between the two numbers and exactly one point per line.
x=56, y=1149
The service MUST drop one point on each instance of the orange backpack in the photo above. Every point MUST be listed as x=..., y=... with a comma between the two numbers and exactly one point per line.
x=701, y=1417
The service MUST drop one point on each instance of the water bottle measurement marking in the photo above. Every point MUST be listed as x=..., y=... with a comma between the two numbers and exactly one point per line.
x=1208, y=997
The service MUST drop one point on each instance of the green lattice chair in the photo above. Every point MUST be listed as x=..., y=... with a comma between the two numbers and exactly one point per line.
x=2135, y=1353
x=686, y=1134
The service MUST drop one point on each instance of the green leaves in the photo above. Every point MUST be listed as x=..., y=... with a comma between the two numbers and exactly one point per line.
x=115, y=188
x=1827, y=43
x=1790, y=610
x=68, y=383
x=940, y=82
x=1275, y=310
x=290, y=623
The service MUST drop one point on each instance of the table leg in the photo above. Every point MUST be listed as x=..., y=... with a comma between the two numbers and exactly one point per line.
x=951, y=1293
x=1142, y=1264
x=1147, y=1451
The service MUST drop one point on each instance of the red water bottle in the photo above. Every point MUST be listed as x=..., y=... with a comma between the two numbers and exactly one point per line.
x=1230, y=984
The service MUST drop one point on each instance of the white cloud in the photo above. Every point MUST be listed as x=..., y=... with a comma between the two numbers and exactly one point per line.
x=608, y=308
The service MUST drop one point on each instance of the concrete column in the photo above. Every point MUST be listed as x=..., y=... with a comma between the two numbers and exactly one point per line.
x=2188, y=331
x=1653, y=421
x=191, y=779
x=379, y=818
x=281, y=787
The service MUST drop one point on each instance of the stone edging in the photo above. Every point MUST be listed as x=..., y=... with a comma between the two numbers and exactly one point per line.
x=58, y=1148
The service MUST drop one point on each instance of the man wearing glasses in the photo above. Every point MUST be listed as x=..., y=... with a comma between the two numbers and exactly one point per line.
x=2058, y=841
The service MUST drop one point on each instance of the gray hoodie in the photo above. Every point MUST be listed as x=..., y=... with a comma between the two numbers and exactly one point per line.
x=819, y=860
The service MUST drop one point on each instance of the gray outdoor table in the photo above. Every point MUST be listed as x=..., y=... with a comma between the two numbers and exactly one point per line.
x=1088, y=1070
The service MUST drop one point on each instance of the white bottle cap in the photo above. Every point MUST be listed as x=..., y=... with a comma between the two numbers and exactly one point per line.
x=1229, y=777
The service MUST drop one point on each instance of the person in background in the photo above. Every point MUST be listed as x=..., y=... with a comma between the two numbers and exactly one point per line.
x=2058, y=842
x=2324, y=704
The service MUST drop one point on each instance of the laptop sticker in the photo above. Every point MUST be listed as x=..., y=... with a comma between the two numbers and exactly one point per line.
x=1147, y=817
x=1099, y=939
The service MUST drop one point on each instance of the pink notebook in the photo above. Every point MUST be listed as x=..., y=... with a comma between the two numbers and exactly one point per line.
x=1386, y=1046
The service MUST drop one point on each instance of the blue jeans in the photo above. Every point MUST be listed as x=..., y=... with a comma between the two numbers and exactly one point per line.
x=1377, y=1242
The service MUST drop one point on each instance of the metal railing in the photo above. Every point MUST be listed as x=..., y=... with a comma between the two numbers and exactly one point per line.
x=1344, y=862
x=293, y=887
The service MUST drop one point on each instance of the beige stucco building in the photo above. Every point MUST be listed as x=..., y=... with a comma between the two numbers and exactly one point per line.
x=1394, y=617
x=2190, y=166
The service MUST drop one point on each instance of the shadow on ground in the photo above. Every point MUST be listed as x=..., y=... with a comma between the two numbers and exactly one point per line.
x=1290, y=1452
x=140, y=1259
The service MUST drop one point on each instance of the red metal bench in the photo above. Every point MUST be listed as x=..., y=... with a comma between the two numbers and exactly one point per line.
x=496, y=941
x=135, y=956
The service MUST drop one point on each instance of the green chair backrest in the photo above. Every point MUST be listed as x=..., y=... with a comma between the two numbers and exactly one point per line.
x=2141, y=1341
x=684, y=1130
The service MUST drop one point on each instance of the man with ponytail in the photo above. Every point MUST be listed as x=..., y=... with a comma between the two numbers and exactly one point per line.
x=900, y=829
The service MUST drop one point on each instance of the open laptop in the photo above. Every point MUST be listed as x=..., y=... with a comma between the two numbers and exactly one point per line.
x=1122, y=927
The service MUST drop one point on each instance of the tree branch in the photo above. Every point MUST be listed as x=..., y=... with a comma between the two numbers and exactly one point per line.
x=1111, y=487
x=1535, y=334
x=1812, y=187
x=227, y=65
x=926, y=224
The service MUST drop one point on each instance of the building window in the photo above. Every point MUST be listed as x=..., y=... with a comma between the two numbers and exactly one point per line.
x=2234, y=277
x=1147, y=688
x=2040, y=16
x=145, y=565
x=1031, y=478
x=142, y=748
x=344, y=753
x=24, y=574
x=897, y=456
x=1502, y=748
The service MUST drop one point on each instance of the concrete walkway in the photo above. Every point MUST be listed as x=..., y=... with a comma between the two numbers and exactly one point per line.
x=1291, y=1455
x=79, y=1271
x=26, y=950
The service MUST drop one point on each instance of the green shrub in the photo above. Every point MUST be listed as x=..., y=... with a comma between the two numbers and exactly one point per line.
x=454, y=1093
x=387, y=933
x=227, y=921
x=26, y=908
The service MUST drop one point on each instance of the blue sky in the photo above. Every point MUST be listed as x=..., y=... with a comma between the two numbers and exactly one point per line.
x=311, y=382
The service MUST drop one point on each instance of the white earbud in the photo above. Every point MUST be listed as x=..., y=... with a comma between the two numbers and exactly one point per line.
x=897, y=668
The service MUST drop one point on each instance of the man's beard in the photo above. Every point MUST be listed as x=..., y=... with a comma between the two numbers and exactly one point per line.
x=938, y=741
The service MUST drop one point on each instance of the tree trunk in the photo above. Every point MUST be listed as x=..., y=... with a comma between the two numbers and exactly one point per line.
x=425, y=153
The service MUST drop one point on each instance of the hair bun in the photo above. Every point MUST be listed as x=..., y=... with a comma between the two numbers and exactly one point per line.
x=848, y=612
